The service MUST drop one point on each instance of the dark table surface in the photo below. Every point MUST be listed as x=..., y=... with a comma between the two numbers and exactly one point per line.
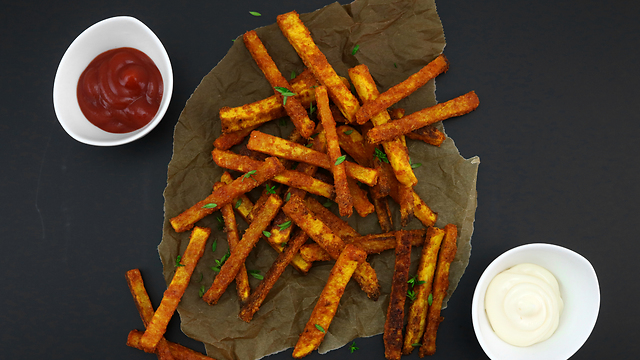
x=556, y=132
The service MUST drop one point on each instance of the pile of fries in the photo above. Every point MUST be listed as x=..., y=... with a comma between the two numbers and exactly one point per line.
x=367, y=157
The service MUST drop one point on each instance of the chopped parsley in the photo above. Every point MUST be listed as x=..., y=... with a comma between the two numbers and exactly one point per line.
x=340, y=159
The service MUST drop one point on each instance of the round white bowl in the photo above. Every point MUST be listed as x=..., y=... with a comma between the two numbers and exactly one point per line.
x=579, y=290
x=115, y=32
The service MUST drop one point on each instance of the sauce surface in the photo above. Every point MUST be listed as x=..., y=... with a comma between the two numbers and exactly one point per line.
x=523, y=304
x=120, y=91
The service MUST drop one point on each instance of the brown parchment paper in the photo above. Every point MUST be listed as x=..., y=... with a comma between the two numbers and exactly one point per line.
x=396, y=39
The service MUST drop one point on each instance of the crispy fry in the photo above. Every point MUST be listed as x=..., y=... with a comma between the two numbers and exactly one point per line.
x=257, y=297
x=241, y=251
x=226, y=141
x=371, y=244
x=225, y=195
x=361, y=202
x=456, y=107
x=273, y=145
x=291, y=104
x=233, y=237
x=158, y=324
x=242, y=203
x=403, y=89
x=428, y=134
x=335, y=223
x=424, y=280
x=382, y=212
x=352, y=142
x=259, y=112
x=395, y=149
x=386, y=179
x=300, y=38
x=395, y=312
x=327, y=305
x=306, y=220
x=337, y=166
x=178, y=351
x=143, y=303
x=405, y=195
x=232, y=161
x=440, y=286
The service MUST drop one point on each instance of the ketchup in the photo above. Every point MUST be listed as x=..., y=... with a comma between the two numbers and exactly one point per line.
x=120, y=91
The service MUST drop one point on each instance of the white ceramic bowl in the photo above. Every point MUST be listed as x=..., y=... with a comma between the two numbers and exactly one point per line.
x=579, y=290
x=115, y=32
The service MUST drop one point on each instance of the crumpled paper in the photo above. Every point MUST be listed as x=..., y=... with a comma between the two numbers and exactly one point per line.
x=396, y=39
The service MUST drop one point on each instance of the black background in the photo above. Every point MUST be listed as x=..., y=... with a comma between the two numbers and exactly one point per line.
x=556, y=133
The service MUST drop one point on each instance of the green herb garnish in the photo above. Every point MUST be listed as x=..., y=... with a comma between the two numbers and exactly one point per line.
x=355, y=49
x=285, y=93
x=320, y=328
x=201, y=291
x=284, y=225
x=430, y=299
x=256, y=274
x=214, y=246
x=238, y=203
x=177, y=264
x=287, y=197
x=411, y=295
x=353, y=347
x=220, y=222
x=416, y=344
x=255, y=13
x=293, y=75
x=249, y=174
x=266, y=233
x=340, y=159
x=381, y=155
x=348, y=132
x=220, y=262
x=328, y=203
x=271, y=189
x=209, y=206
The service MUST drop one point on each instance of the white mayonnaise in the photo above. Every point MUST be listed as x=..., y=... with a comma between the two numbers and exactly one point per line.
x=523, y=304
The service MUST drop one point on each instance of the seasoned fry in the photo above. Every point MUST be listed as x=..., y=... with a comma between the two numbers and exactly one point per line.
x=306, y=220
x=440, y=286
x=233, y=237
x=273, y=145
x=395, y=312
x=337, y=166
x=257, y=297
x=382, y=212
x=178, y=351
x=361, y=203
x=232, y=161
x=241, y=251
x=291, y=104
x=335, y=223
x=398, y=92
x=262, y=111
x=143, y=303
x=300, y=38
x=456, y=107
x=313, y=252
x=242, y=203
x=405, y=195
x=158, y=324
x=395, y=149
x=352, y=142
x=327, y=305
x=424, y=280
x=428, y=134
x=225, y=195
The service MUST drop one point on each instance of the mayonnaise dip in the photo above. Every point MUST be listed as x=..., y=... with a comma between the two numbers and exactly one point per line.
x=523, y=304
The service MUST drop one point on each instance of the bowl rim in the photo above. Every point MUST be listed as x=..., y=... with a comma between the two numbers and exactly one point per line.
x=502, y=263
x=63, y=78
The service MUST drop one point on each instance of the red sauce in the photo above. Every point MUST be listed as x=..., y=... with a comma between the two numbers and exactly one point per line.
x=120, y=91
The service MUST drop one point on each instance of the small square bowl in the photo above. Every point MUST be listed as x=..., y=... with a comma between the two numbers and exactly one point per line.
x=111, y=33
x=579, y=290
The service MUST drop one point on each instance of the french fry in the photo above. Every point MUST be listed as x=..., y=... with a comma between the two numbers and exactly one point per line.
x=306, y=220
x=334, y=222
x=429, y=134
x=242, y=204
x=300, y=38
x=352, y=142
x=371, y=244
x=251, y=236
x=291, y=104
x=337, y=166
x=178, y=351
x=226, y=141
x=382, y=212
x=361, y=203
x=145, y=309
x=225, y=194
x=233, y=237
x=232, y=161
x=424, y=280
x=395, y=149
x=405, y=197
x=456, y=107
x=326, y=306
x=271, y=108
x=440, y=286
x=403, y=89
x=395, y=312
x=158, y=324
x=273, y=145
x=260, y=293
